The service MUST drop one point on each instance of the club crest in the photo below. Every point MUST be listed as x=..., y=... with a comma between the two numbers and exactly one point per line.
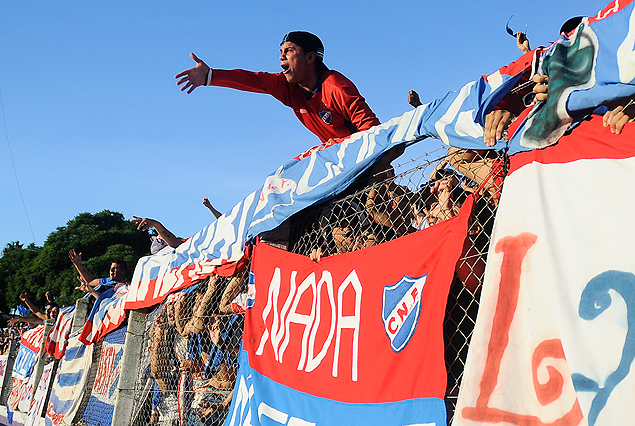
x=400, y=310
x=326, y=116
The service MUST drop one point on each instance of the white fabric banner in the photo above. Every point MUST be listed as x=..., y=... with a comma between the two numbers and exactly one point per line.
x=553, y=342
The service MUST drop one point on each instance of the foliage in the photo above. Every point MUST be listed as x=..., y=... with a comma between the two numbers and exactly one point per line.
x=101, y=238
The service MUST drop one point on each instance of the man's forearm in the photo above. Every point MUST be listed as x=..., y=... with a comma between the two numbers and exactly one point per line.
x=167, y=236
x=83, y=272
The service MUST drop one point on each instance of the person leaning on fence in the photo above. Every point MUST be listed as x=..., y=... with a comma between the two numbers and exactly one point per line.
x=117, y=273
x=350, y=230
x=51, y=310
x=326, y=102
x=162, y=366
x=165, y=238
x=483, y=167
x=234, y=299
x=213, y=393
x=340, y=223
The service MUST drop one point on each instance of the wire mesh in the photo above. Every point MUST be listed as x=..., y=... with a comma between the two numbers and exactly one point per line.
x=190, y=364
x=192, y=358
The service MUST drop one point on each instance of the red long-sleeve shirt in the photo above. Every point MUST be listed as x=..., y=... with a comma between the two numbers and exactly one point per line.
x=335, y=110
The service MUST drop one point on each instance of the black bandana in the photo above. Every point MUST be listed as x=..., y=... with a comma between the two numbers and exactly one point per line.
x=307, y=41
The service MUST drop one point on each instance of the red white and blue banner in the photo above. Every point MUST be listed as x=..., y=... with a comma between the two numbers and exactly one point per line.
x=3, y=367
x=100, y=406
x=351, y=339
x=26, y=359
x=554, y=341
x=107, y=314
x=57, y=339
x=70, y=382
x=37, y=403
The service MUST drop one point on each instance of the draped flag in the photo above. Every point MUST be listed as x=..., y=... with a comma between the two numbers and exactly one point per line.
x=26, y=359
x=554, y=339
x=70, y=382
x=351, y=339
x=107, y=314
x=594, y=64
x=3, y=367
x=57, y=339
x=37, y=403
x=101, y=403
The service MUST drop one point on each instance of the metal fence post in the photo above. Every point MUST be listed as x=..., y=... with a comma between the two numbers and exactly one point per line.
x=7, y=383
x=42, y=356
x=124, y=402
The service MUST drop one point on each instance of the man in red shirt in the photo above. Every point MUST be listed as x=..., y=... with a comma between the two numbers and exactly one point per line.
x=326, y=102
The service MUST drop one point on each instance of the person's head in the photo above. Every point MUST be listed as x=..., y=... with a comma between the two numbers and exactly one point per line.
x=340, y=222
x=51, y=310
x=373, y=234
x=118, y=270
x=301, y=55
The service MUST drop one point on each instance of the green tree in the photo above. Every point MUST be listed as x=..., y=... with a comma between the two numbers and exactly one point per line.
x=15, y=264
x=101, y=238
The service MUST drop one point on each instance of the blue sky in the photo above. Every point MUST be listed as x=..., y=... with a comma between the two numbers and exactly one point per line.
x=95, y=121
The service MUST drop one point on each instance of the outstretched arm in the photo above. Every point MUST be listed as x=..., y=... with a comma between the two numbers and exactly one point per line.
x=413, y=99
x=233, y=289
x=193, y=77
x=211, y=208
x=27, y=320
x=36, y=311
x=145, y=223
x=522, y=42
x=77, y=262
x=197, y=323
x=84, y=286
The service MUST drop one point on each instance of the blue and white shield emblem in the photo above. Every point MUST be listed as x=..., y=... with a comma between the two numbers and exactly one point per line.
x=401, y=309
x=326, y=116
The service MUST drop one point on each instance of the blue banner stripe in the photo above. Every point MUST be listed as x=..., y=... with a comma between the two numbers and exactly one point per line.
x=266, y=402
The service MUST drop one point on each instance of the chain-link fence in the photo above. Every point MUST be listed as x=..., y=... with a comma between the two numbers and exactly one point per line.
x=190, y=365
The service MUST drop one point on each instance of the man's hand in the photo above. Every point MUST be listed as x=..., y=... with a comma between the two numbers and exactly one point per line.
x=413, y=99
x=187, y=365
x=144, y=223
x=316, y=255
x=23, y=297
x=496, y=123
x=619, y=116
x=205, y=408
x=74, y=257
x=211, y=208
x=540, y=89
x=84, y=286
x=522, y=42
x=193, y=77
